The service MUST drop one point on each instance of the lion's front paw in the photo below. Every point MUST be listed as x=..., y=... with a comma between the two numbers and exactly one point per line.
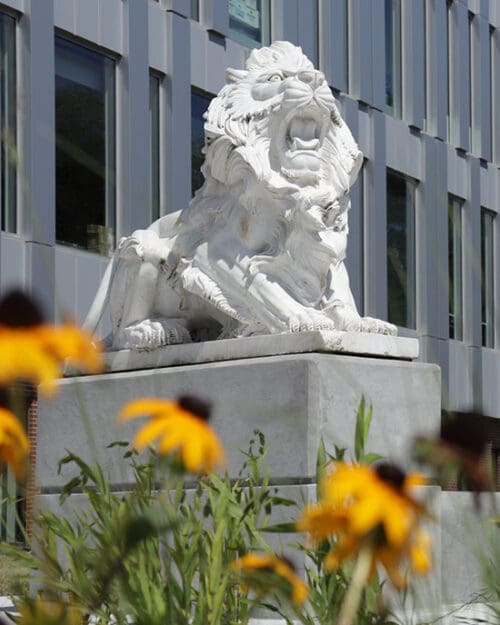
x=377, y=326
x=308, y=320
x=152, y=333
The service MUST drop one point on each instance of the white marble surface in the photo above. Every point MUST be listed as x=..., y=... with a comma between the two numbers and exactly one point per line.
x=261, y=247
x=322, y=341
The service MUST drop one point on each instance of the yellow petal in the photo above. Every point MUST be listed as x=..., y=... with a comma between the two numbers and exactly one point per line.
x=147, y=406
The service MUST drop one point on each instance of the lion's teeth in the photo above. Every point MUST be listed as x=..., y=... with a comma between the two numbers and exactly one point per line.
x=302, y=144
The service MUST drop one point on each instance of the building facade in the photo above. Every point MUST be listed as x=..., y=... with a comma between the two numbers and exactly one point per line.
x=101, y=104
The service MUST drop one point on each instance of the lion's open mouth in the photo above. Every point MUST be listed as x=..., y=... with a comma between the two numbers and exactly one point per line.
x=303, y=133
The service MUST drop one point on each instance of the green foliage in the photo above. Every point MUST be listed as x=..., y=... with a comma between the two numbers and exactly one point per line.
x=161, y=552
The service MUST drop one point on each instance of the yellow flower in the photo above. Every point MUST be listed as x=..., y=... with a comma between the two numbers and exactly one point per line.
x=362, y=504
x=14, y=445
x=268, y=572
x=179, y=427
x=36, y=352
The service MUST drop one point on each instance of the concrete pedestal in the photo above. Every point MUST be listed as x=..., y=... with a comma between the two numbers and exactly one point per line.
x=295, y=400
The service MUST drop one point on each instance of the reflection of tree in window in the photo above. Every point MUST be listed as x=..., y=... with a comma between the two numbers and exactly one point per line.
x=400, y=251
x=199, y=105
x=82, y=150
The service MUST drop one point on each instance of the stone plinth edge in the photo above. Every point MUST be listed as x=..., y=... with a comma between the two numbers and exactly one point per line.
x=335, y=342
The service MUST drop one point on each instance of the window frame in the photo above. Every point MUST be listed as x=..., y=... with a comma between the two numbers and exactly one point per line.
x=455, y=267
x=110, y=139
x=394, y=58
x=487, y=278
x=155, y=119
x=8, y=124
x=410, y=285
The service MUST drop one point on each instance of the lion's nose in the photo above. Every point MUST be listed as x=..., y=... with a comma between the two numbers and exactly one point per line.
x=311, y=77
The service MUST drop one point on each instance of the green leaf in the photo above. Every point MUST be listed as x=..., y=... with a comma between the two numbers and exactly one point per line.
x=286, y=528
x=370, y=458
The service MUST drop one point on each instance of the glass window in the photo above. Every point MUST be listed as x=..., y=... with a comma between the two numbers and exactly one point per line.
x=154, y=139
x=249, y=22
x=471, y=76
x=487, y=295
x=195, y=10
x=393, y=93
x=199, y=105
x=449, y=57
x=492, y=92
x=8, y=123
x=455, y=267
x=401, y=250
x=85, y=148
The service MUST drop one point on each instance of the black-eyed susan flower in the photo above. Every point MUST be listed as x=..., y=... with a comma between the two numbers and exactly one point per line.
x=34, y=351
x=14, y=445
x=370, y=506
x=179, y=427
x=266, y=573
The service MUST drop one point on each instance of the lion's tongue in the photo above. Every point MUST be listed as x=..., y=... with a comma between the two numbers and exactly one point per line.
x=303, y=134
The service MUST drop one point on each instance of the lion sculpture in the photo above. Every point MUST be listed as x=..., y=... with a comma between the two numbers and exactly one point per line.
x=261, y=247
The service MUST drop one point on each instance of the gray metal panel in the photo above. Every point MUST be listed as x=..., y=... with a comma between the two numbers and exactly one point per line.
x=375, y=266
x=284, y=20
x=471, y=256
x=65, y=289
x=178, y=114
x=111, y=13
x=87, y=279
x=332, y=42
x=432, y=233
x=214, y=15
x=64, y=14
x=40, y=275
x=157, y=38
x=413, y=63
x=87, y=18
x=12, y=262
x=215, y=64
x=490, y=389
x=198, y=56
x=37, y=123
x=133, y=158
x=377, y=58
x=437, y=351
x=182, y=7
x=460, y=378
x=355, y=254
x=308, y=29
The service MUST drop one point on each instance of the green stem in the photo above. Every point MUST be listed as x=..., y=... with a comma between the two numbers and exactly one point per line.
x=359, y=578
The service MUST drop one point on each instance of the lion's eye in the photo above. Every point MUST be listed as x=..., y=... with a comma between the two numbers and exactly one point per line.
x=275, y=78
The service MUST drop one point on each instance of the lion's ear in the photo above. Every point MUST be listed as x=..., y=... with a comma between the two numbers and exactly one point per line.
x=235, y=75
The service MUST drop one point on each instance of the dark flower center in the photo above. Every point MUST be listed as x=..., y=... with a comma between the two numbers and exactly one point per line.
x=391, y=474
x=17, y=310
x=196, y=406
